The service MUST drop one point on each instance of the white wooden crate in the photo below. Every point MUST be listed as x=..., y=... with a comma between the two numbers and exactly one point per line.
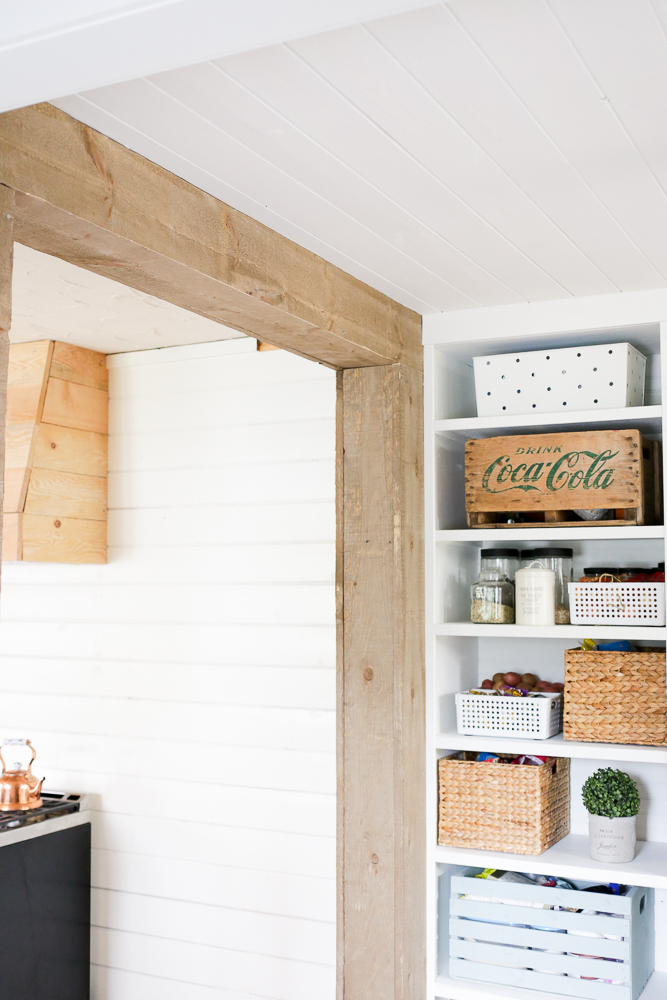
x=509, y=939
x=570, y=378
x=494, y=715
x=617, y=603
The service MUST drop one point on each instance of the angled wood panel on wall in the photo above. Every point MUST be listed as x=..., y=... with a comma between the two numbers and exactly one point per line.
x=55, y=503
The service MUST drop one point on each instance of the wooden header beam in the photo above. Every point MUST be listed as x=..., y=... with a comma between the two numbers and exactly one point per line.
x=87, y=199
x=78, y=195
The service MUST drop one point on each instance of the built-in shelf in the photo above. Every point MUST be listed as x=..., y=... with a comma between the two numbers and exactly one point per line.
x=569, y=858
x=556, y=747
x=465, y=989
x=540, y=532
x=553, y=631
x=647, y=419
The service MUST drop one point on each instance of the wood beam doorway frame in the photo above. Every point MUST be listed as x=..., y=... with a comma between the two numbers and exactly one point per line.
x=69, y=191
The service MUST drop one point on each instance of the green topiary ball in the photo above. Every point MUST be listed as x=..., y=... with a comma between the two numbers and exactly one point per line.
x=610, y=793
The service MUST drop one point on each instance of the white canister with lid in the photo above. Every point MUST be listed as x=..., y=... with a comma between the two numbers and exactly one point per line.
x=535, y=595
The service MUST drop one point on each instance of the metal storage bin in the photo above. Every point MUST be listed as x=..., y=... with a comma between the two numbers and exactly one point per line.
x=571, y=378
x=507, y=938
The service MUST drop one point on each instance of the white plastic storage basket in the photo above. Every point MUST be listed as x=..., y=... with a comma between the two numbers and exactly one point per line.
x=504, y=715
x=617, y=603
x=505, y=937
x=570, y=378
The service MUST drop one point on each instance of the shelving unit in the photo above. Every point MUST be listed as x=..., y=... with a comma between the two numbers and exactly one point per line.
x=460, y=654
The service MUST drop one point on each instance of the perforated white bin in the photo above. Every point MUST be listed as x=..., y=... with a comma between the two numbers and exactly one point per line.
x=585, y=944
x=617, y=603
x=571, y=378
x=535, y=718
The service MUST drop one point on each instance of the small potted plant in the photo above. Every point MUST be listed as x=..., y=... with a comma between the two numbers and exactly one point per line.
x=612, y=801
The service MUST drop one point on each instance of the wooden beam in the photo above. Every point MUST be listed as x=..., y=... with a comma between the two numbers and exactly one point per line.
x=7, y=205
x=381, y=755
x=87, y=199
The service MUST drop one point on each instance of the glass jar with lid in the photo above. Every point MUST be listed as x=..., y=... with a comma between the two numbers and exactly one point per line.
x=560, y=561
x=492, y=598
x=505, y=561
x=526, y=557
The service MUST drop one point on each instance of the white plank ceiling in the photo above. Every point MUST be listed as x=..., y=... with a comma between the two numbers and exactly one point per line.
x=474, y=153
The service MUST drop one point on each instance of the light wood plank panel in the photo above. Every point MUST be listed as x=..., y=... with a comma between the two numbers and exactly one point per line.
x=65, y=449
x=76, y=364
x=373, y=216
x=381, y=929
x=62, y=539
x=28, y=375
x=430, y=165
x=303, y=940
x=69, y=404
x=66, y=174
x=547, y=74
x=67, y=494
x=436, y=48
x=15, y=487
x=19, y=439
x=12, y=537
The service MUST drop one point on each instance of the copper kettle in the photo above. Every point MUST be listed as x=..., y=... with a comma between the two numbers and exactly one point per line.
x=19, y=788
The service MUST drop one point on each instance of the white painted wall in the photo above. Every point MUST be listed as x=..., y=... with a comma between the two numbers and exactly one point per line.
x=189, y=683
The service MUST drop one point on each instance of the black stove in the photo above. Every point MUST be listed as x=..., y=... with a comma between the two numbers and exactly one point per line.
x=54, y=804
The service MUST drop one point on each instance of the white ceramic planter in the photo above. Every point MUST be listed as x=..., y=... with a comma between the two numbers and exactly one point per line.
x=612, y=839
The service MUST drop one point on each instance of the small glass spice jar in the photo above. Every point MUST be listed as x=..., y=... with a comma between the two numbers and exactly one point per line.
x=492, y=598
x=560, y=561
x=506, y=561
x=536, y=595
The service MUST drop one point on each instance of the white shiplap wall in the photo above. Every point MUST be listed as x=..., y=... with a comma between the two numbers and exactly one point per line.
x=189, y=684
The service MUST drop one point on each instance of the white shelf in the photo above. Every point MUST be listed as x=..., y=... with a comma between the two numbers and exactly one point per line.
x=540, y=532
x=465, y=989
x=569, y=858
x=648, y=419
x=556, y=746
x=612, y=632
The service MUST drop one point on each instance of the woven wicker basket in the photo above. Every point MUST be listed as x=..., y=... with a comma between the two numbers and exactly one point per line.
x=521, y=808
x=613, y=697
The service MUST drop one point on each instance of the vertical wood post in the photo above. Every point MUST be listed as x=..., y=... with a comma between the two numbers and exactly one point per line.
x=6, y=268
x=381, y=753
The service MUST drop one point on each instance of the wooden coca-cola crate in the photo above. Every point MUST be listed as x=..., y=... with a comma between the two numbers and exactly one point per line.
x=545, y=477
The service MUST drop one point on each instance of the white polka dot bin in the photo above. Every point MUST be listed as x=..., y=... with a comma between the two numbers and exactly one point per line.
x=605, y=376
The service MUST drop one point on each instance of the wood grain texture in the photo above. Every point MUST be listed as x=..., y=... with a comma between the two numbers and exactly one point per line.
x=12, y=537
x=28, y=372
x=69, y=404
x=69, y=450
x=62, y=539
x=542, y=472
x=15, y=488
x=381, y=690
x=77, y=364
x=89, y=200
x=67, y=494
